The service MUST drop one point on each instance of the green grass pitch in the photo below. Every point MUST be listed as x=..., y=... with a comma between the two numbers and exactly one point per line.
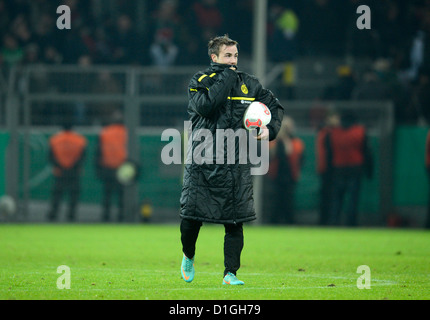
x=138, y=262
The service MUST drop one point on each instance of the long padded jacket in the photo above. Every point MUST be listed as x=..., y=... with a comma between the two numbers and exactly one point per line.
x=219, y=191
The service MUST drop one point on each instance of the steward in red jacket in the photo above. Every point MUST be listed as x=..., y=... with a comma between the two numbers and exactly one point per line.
x=349, y=154
x=111, y=153
x=324, y=169
x=67, y=151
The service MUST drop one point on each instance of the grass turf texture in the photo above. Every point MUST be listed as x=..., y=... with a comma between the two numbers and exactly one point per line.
x=143, y=262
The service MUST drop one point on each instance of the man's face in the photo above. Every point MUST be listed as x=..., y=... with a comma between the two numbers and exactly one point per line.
x=227, y=55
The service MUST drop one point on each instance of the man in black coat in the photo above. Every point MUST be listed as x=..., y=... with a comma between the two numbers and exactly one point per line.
x=218, y=191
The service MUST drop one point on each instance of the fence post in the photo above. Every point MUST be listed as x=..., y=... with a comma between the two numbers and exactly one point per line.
x=131, y=120
x=12, y=122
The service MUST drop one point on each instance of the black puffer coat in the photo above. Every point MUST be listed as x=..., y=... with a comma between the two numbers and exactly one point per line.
x=218, y=98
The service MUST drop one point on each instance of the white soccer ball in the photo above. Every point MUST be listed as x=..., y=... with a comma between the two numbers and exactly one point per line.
x=126, y=173
x=7, y=205
x=256, y=115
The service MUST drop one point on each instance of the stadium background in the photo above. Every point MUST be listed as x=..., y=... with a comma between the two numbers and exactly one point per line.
x=105, y=61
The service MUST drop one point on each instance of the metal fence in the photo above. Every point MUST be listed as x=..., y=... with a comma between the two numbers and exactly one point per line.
x=39, y=97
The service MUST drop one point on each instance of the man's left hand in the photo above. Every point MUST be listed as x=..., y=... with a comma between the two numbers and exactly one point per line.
x=264, y=133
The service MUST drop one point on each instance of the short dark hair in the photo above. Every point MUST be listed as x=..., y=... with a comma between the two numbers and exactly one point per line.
x=215, y=44
x=67, y=124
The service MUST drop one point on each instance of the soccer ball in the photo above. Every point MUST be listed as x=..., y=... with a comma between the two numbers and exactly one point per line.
x=256, y=115
x=126, y=173
x=7, y=205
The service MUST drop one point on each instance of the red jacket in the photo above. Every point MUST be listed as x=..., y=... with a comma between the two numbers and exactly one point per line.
x=113, y=146
x=67, y=149
x=348, y=146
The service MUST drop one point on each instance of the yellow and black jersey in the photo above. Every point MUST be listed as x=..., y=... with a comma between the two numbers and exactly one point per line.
x=222, y=192
x=223, y=95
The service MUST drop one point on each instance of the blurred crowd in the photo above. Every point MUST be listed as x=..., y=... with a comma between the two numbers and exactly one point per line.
x=167, y=32
x=175, y=32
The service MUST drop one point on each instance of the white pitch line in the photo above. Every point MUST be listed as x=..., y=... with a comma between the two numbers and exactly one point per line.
x=221, y=287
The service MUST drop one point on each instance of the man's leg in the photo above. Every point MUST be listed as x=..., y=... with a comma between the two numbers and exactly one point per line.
x=107, y=193
x=336, y=202
x=57, y=193
x=189, y=234
x=121, y=206
x=233, y=245
x=74, y=198
x=325, y=194
x=353, y=183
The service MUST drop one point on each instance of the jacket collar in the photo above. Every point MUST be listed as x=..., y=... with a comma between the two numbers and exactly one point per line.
x=218, y=67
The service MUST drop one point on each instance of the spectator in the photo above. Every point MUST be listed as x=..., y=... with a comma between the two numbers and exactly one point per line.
x=110, y=155
x=21, y=31
x=51, y=55
x=283, y=45
x=416, y=56
x=376, y=83
x=168, y=26
x=11, y=52
x=78, y=12
x=319, y=28
x=207, y=17
x=163, y=50
x=325, y=168
x=32, y=54
x=419, y=52
x=390, y=31
x=286, y=161
x=67, y=153
x=103, y=46
x=77, y=42
x=344, y=86
x=349, y=154
x=125, y=42
x=46, y=37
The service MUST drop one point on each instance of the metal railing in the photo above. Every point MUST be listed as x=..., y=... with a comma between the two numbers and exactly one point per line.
x=39, y=97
